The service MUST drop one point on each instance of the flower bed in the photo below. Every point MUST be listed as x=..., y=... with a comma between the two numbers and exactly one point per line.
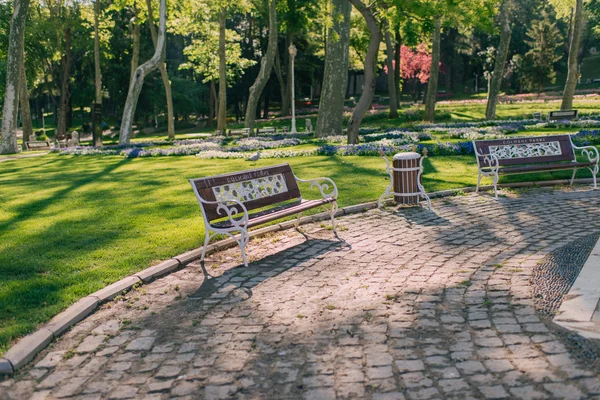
x=261, y=144
x=586, y=138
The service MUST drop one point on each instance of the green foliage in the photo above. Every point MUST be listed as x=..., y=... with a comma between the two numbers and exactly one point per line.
x=538, y=66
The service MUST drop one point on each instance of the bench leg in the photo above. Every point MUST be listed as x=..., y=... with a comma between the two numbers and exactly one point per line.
x=206, y=240
x=334, y=208
x=573, y=177
x=496, y=185
x=298, y=220
x=244, y=239
x=595, y=171
x=478, y=181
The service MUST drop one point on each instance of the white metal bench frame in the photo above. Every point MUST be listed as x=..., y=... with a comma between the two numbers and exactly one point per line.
x=237, y=213
x=492, y=164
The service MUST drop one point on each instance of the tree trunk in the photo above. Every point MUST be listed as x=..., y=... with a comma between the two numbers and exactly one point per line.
x=287, y=102
x=222, y=111
x=398, y=69
x=163, y=73
x=134, y=28
x=97, y=111
x=14, y=62
x=211, y=105
x=25, y=110
x=573, y=74
x=266, y=67
x=333, y=92
x=65, y=94
x=135, y=87
x=285, y=109
x=267, y=96
x=432, y=87
x=98, y=73
x=501, y=56
x=389, y=49
x=369, y=90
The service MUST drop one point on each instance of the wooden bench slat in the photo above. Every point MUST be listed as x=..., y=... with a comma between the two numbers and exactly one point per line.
x=279, y=212
x=543, y=167
x=38, y=145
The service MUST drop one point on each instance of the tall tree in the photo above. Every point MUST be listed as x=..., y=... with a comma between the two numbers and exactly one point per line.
x=163, y=73
x=432, y=86
x=135, y=30
x=97, y=135
x=389, y=50
x=222, y=109
x=25, y=110
x=366, y=97
x=14, y=63
x=65, y=83
x=505, y=18
x=537, y=67
x=266, y=67
x=135, y=87
x=333, y=92
x=97, y=71
x=573, y=74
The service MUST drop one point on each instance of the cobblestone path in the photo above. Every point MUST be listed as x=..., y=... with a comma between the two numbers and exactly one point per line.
x=414, y=305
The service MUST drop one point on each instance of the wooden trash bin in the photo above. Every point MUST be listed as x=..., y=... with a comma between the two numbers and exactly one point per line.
x=407, y=167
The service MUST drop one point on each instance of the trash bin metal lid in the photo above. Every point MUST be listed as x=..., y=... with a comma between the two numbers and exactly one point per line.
x=407, y=156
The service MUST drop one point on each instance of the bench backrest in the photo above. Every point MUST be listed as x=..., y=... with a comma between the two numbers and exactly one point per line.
x=268, y=129
x=254, y=188
x=238, y=132
x=563, y=115
x=44, y=145
x=526, y=150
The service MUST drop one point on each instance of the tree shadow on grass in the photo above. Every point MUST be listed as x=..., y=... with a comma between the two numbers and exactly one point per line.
x=38, y=206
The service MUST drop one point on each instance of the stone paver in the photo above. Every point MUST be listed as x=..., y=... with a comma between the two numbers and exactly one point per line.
x=412, y=305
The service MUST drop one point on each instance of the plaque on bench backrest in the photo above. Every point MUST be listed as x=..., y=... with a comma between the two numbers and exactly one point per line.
x=563, y=115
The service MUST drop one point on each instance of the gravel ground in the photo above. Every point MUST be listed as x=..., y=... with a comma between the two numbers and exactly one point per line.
x=553, y=277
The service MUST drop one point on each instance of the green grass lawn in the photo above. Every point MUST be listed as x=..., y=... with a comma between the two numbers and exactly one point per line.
x=468, y=112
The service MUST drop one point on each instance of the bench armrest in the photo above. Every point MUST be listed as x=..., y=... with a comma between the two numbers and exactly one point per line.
x=226, y=209
x=590, y=152
x=490, y=160
x=324, y=188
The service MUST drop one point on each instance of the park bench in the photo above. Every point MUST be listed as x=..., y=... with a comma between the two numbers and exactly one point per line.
x=268, y=130
x=39, y=145
x=225, y=201
x=531, y=154
x=240, y=132
x=563, y=115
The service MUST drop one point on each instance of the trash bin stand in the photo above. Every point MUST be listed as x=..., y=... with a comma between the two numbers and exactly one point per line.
x=405, y=179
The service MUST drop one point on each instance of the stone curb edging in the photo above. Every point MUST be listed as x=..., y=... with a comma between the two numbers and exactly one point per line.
x=27, y=348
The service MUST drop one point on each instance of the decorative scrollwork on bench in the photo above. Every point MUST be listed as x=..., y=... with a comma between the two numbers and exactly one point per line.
x=529, y=150
x=252, y=189
x=328, y=189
